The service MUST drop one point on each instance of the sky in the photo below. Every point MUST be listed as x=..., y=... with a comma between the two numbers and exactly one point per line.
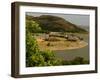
x=77, y=19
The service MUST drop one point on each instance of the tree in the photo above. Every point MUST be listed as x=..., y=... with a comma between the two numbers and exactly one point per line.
x=32, y=26
x=31, y=45
x=50, y=59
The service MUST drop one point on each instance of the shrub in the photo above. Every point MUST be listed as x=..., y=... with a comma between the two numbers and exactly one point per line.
x=53, y=39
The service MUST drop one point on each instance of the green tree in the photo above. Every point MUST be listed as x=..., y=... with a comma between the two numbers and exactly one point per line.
x=32, y=26
x=31, y=45
x=50, y=59
x=31, y=48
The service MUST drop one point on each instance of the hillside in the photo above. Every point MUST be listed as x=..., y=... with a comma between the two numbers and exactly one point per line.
x=56, y=24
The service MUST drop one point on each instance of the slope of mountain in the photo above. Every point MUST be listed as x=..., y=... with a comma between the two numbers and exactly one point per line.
x=55, y=23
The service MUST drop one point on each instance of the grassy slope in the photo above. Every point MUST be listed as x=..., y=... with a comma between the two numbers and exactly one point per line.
x=56, y=24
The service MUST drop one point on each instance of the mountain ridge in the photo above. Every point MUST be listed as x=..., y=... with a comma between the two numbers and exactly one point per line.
x=55, y=23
